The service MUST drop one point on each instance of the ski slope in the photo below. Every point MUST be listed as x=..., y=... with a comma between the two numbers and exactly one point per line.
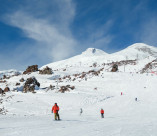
x=30, y=114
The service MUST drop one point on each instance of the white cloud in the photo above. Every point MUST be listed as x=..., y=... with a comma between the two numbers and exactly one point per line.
x=53, y=39
x=48, y=23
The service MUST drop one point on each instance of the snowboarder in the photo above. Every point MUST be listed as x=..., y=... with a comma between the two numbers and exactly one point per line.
x=55, y=110
x=135, y=99
x=81, y=111
x=102, y=113
x=121, y=93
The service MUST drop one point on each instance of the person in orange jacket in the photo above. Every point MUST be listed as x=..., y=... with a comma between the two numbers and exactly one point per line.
x=102, y=113
x=55, y=110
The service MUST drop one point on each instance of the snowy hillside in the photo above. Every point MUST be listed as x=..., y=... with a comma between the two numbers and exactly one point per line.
x=30, y=114
x=93, y=52
x=138, y=51
x=88, y=83
x=9, y=73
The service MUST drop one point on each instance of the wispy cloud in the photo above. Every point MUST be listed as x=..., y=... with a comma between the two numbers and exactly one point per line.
x=48, y=24
x=100, y=37
x=58, y=44
x=51, y=33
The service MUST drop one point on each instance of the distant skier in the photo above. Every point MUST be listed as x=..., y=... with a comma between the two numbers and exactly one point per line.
x=81, y=111
x=55, y=110
x=135, y=99
x=102, y=113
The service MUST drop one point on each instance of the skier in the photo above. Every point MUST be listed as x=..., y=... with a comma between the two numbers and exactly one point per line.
x=102, y=113
x=55, y=110
x=81, y=111
x=135, y=99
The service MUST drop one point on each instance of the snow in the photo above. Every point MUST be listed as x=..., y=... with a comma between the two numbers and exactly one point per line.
x=9, y=72
x=137, y=51
x=93, y=52
x=30, y=114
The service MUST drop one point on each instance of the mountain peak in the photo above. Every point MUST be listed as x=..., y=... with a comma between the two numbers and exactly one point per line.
x=140, y=45
x=138, y=49
x=93, y=52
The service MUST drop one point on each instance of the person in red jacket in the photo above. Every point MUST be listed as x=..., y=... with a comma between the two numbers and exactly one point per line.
x=102, y=113
x=55, y=110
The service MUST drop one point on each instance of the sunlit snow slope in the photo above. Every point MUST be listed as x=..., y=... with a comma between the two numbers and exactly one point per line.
x=29, y=114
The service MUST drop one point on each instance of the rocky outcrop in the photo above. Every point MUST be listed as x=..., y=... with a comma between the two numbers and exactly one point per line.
x=46, y=71
x=95, y=64
x=3, y=111
x=3, y=81
x=121, y=63
x=17, y=84
x=31, y=69
x=66, y=88
x=82, y=75
x=4, y=76
x=149, y=67
x=30, y=85
x=7, y=89
x=51, y=87
x=63, y=89
x=22, y=80
x=114, y=68
x=1, y=91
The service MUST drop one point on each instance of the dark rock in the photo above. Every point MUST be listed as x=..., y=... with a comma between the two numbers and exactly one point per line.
x=17, y=84
x=7, y=89
x=72, y=87
x=149, y=67
x=94, y=64
x=1, y=91
x=30, y=84
x=50, y=88
x=46, y=71
x=66, y=88
x=4, y=76
x=3, y=81
x=3, y=111
x=22, y=80
x=31, y=69
x=114, y=68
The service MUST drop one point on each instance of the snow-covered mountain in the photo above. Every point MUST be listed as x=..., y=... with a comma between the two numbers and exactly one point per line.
x=94, y=87
x=137, y=51
x=88, y=57
x=90, y=52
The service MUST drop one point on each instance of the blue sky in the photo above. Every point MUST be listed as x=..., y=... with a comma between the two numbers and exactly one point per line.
x=44, y=31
